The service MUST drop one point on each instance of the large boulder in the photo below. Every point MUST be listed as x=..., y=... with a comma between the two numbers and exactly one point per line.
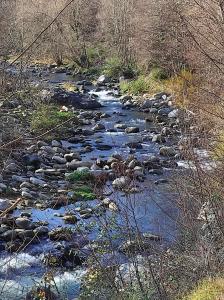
x=77, y=100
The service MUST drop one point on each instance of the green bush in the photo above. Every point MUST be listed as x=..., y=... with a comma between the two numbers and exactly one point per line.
x=47, y=117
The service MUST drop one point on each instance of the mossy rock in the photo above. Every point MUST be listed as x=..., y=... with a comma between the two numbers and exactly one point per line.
x=84, y=193
x=78, y=176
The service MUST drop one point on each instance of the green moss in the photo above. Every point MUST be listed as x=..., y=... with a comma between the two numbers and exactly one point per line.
x=80, y=176
x=84, y=193
x=208, y=290
x=46, y=117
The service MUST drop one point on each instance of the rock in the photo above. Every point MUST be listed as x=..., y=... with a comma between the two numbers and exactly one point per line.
x=132, y=130
x=37, y=181
x=134, y=145
x=9, y=235
x=32, y=160
x=153, y=110
x=120, y=126
x=120, y=183
x=4, y=204
x=158, y=138
x=161, y=96
x=3, y=187
x=173, y=114
x=167, y=151
x=55, y=143
x=102, y=80
x=138, y=171
x=12, y=168
x=70, y=219
x=132, y=164
x=149, y=119
x=24, y=234
x=75, y=164
x=71, y=156
x=113, y=207
x=125, y=98
x=165, y=111
x=83, y=169
x=26, y=185
x=148, y=103
x=41, y=144
x=18, y=178
x=41, y=230
x=104, y=147
x=77, y=100
x=27, y=195
x=59, y=159
x=48, y=150
x=23, y=223
x=98, y=127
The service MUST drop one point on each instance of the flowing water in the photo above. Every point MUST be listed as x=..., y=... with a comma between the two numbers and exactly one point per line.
x=153, y=206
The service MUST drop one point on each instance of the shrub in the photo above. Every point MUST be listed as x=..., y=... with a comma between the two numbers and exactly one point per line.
x=208, y=290
x=47, y=117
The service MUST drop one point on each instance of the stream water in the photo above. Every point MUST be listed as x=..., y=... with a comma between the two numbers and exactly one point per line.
x=153, y=206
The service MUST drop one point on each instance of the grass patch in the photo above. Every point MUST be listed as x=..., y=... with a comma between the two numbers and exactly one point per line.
x=46, y=117
x=114, y=68
x=84, y=193
x=208, y=290
x=182, y=85
x=80, y=176
x=153, y=82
